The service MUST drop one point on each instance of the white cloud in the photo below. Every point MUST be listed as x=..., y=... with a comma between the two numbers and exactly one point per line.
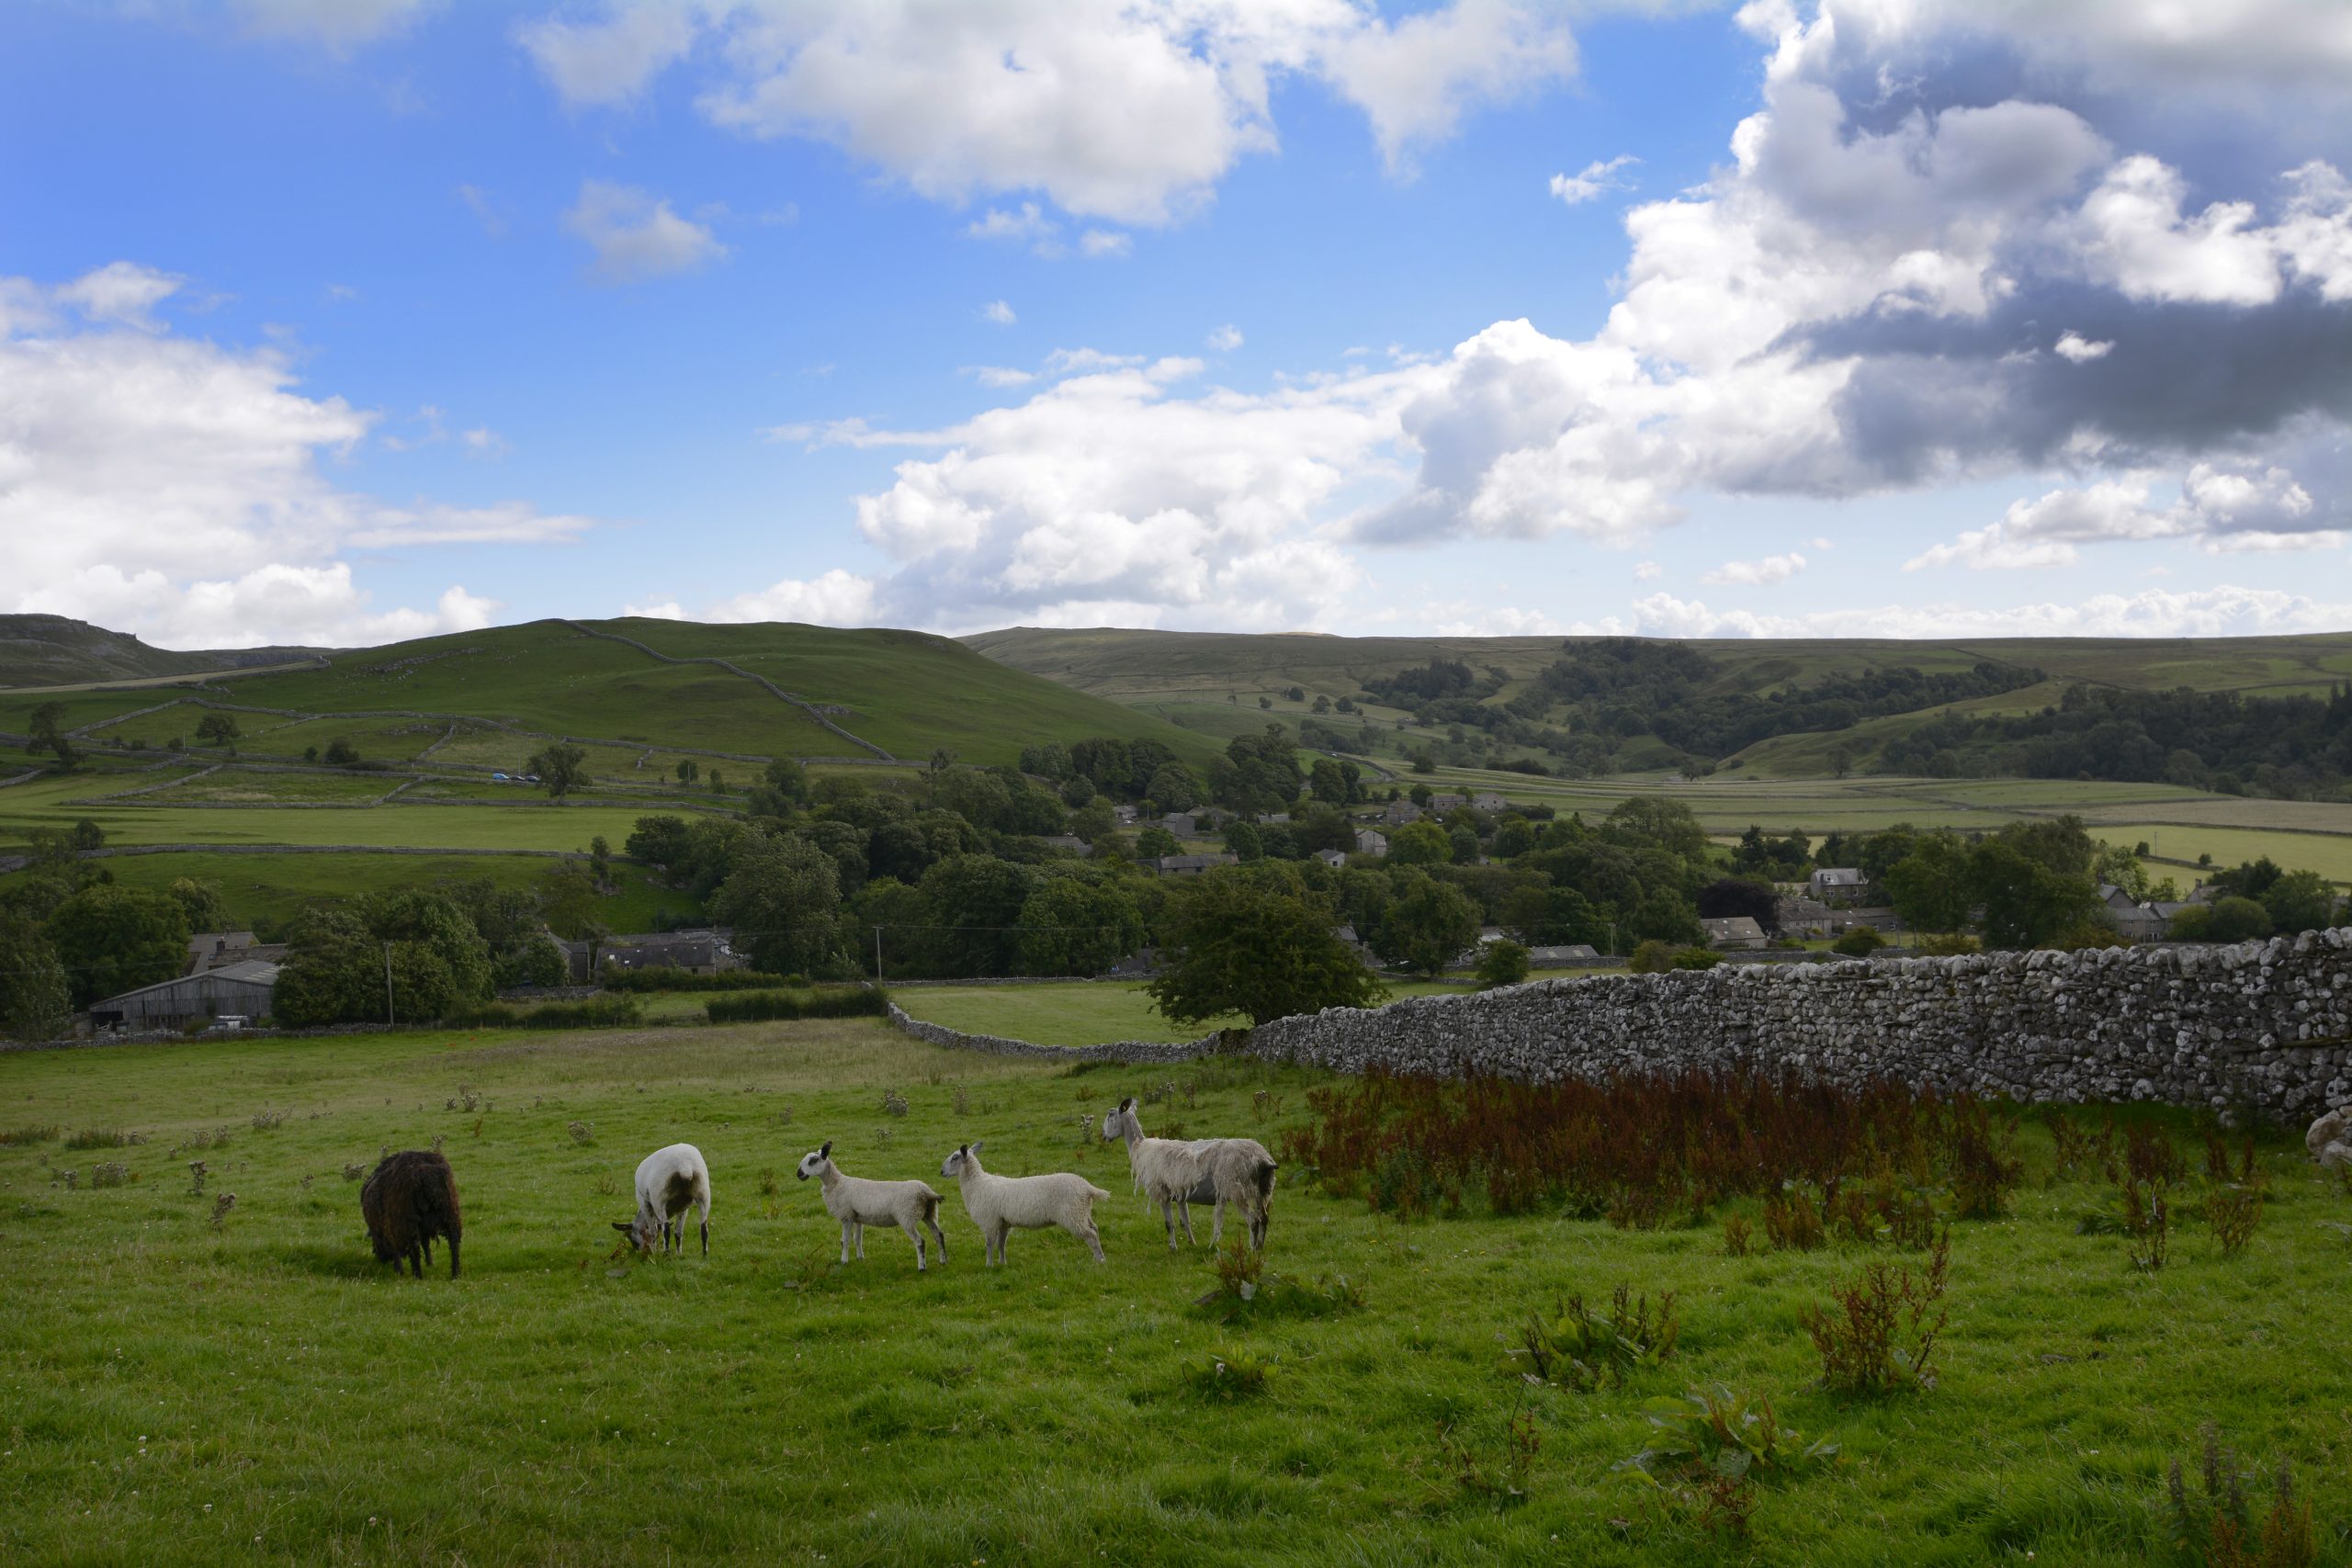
x=666, y=610
x=175, y=489
x=1130, y=112
x=2211, y=612
x=1763, y=573
x=2226, y=509
x=1105, y=244
x=120, y=294
x=1026, y=224
x=1596, y=179
x=636, y=235
x=337, y=25
x=998, y=313
x=1647, y=571
x=485, y=210
x=484, y=441
x=836, y=599
x=2081, y=350
x=1458, y=619
x=1225, y=339
x=611, y=60
x=1002, y=376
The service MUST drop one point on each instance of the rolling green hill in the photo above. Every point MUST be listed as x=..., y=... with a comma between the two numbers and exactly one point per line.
x=52, y=650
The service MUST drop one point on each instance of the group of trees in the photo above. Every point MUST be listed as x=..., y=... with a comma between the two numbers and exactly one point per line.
x=70, y=934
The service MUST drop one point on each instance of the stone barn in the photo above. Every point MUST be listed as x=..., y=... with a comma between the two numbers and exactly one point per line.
x=234, y=990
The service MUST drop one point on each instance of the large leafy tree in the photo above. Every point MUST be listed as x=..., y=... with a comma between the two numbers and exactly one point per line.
x=1074, y=925
x=1428, y=927
x=562, y=768
x=1930, y=886
x=219, y=729
x=36, y=1001
x=114, y=939
x=1253, y=941
x=201, y=902
x=973, y=905
x=2299, y=901
x=45, y=732
x=2031, y=884
x=784, y=900
x=424, y=942
x=1729, y=898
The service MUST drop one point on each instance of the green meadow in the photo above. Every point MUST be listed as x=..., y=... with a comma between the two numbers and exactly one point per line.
x=258, y=1390
x=1086, y=1012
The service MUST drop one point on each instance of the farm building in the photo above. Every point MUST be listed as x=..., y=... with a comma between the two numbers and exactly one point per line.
x=1564, y=956
x=1370, y=841
x=1802, y=916
x=1332, y=858
x=1192, y=865
x=218, y=949
x=1489, y=802
x=1400, y=812
x=1735, y=934
x=2134, y=920
x=705, y=952
x=236, y=990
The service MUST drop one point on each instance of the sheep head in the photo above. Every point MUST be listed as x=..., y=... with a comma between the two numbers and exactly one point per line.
x=814, y=1162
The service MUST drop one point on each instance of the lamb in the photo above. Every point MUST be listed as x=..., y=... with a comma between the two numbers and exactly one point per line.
x=1173, y=1174
x=410, y=1198
x=1000, y=1204
x=858, y=1202
x=669, y=1182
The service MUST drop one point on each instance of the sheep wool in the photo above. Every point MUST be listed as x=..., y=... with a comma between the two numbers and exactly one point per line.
x=1001, y=1204
x=1176, y=1175
x=668, y=1182
x=858, y=1202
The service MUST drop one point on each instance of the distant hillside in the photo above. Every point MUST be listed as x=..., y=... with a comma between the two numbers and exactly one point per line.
x=757, y=691
x=55, y=650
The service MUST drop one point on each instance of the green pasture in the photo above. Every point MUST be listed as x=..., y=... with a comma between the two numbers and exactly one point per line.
x=530, y=824
x=260, y=1391
x=1085, y=1012
x=256, y=786
x=2328, y=854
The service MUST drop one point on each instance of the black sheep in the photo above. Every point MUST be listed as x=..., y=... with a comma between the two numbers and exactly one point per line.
x=409, y=1199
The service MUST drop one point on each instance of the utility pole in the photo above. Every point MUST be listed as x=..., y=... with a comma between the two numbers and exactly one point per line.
x=388, y=986
x=877, y=955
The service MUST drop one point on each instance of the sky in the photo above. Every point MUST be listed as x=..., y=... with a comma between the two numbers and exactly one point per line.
x=338, y=321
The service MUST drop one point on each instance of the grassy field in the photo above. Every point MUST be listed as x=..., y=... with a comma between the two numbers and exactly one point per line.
x=261, y=1392
x=529, y=824
x=2328, y=854
x=1083, y=1013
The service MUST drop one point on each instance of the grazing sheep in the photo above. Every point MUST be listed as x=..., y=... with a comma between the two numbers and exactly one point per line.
x=410, y=1198
x=1000, y=1204
x=858, y=1202
x=1177, y=1175
x=669, y=1182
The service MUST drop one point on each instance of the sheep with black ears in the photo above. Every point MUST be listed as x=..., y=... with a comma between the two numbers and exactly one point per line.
x=668, y=1182
x=1001, y=1204
x=1175, y=1175
x=858, y=1202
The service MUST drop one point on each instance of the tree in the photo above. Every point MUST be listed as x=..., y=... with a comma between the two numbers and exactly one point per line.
x=1502, y=963
x=1420, y=843
x=437, y=962
x=36, y=1001
x=1841, y=760
x=1071, y=925
x=1730, y=897
x=562, y=768
x=217, y=728
x=341, y=753
x=1427, y=928
x=1329, y=782
x=783, y=786
x=2027, y=901
x=718, y=781
x=1155, y=840
x=1174, y=788
x=1076, y=790
x=87, y=835
x=658, y=840
x=1094, y=820
x=2237, y=920
x=45, y=732
x=200, y=905
x=784, y=900
x=600, y=860
x=1929, y=887
x=1544, y=915
x=688, y=771
x=974, y=903
x=113, y=938
x=1859, y=943
x=2299, y=901
x=1257, y=943
x=567, y=901
x=1243, y=841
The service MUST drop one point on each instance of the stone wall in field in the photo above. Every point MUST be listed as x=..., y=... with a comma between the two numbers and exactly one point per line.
x=998, y=1045
x=2269, y=1022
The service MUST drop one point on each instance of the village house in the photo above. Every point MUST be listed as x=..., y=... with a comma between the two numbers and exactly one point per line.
x=1332, y=858
x=1563, y=956
x=1371, y=842
x=1192, y=865
x=1489, y=802
x=1803, y=917
x=1735, y=934
x=1839, y=884
x=218, y=949
x=2134, y=920
x=1400, y=812
x=702, y=951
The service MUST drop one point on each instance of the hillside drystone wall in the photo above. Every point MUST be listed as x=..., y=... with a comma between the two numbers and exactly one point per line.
x=1153, y=1050
x=2266, y=1023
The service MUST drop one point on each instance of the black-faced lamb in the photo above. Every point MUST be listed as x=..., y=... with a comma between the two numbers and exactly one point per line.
x=858, y=1202
x=1175, y=1175
x=1001, y=1204
x=668, y=1182
x=410, y=1198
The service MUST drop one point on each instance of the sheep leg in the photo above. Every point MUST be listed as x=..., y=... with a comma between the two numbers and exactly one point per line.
x=453, y=1257
x=860, y=1231
x=1091, y=1237
x=1168, y=1218
x=844, y=1242
x=1185, y=1211
x=706, y=1232
x=1003, y=1234
x=937, y=1235
x=914, y=1235
x=1216, y=1226
x=415, y=1261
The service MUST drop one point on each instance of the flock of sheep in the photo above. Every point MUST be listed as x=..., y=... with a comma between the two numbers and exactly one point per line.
x=411, y=1199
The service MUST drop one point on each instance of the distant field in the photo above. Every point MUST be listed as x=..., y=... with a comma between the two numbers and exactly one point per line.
x=1085, y=1013
x=526, y=827
x=269, y=889
x=2329, y=854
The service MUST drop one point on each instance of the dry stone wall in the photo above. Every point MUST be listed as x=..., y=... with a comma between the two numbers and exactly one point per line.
x=2266, y=1023
x=998, y=1045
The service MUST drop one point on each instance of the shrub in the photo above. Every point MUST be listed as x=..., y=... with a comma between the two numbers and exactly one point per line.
x=36, y=1134
x=2235, y=1213
x=1878, y=1334
x=595, y=1012
x=1947, y=945
x=1230, y=1375
x=1984, y=1170
x=665, y=979
x=1502, y=963
x=103, y=1138
x=1793, y=1220
x=1697, y=958
x=1859, y=942
x=2080, y=1149
x=1652, y=957
x=756, y=1007
x=1584, y=1349
x=2218, y=1528
x=1709, y=1448
x=1736, y=1231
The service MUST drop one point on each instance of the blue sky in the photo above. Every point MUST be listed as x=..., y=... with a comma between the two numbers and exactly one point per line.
x=335, y=322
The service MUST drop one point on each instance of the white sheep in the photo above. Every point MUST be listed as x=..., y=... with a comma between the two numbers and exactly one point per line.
x=1175, y=1175
x=858, y=1202
x=669, y=1182
x=1000, y=1204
